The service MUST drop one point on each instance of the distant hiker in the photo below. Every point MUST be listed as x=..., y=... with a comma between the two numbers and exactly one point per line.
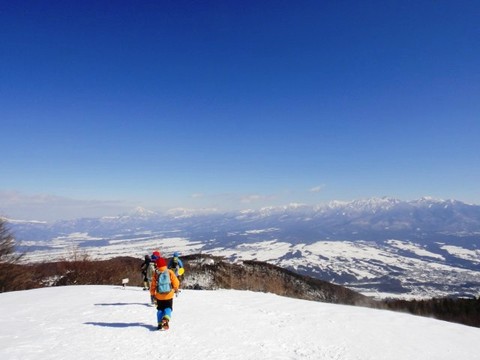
x=155, y=255
x=176, y=264
x=144, y=268
x=150, y=276
x=164, y=286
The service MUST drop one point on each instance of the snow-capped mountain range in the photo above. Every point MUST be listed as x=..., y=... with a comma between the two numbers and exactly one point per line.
x=385, y=246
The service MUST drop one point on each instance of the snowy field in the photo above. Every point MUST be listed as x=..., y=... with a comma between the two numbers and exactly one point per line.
x=108, y=322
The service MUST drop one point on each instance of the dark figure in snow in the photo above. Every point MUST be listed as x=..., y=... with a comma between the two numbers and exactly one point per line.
x=163, y=288
x=145, y=266
x=150, y=275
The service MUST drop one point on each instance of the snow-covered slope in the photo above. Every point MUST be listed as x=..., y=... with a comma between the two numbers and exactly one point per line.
x=107, y=322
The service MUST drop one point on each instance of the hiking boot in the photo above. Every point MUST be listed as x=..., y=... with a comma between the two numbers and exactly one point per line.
x=164, y=324
x=160, y=326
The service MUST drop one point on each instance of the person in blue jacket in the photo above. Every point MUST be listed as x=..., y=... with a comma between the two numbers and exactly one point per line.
x=175, y=264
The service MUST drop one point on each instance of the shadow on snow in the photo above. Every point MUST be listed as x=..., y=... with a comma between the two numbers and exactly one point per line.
x=123, y=304
x=122, y=325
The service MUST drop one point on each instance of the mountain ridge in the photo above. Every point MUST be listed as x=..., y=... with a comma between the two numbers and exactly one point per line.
x=374, y=244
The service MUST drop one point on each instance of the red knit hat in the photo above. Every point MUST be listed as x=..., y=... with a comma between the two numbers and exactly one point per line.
x=161, y=262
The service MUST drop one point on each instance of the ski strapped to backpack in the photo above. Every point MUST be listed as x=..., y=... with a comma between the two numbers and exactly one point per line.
x=164, y=285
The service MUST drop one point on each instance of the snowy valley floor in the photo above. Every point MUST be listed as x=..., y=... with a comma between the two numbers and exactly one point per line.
x=108, y=322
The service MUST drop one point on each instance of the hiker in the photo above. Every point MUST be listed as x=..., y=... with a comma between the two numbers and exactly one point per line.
x=175, y=264
x=155, y=255
x=150, y=276
x=164, y=286
x=144, y=268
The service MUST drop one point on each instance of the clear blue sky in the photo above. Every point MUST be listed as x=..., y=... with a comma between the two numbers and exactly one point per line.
x=106, y=105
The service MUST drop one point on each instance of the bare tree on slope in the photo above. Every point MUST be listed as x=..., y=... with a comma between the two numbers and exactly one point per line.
x=10, y=272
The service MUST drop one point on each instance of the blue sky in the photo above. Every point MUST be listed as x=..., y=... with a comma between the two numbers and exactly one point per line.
x=107, y=105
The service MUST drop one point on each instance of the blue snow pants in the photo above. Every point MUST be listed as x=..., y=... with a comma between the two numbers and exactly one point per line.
x=164, y=309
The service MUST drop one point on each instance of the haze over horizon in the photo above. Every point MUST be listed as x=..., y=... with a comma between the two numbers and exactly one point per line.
x=106, y=106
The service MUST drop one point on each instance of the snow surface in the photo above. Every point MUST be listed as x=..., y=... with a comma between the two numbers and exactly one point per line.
x=108, y=322
x=466, y=254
